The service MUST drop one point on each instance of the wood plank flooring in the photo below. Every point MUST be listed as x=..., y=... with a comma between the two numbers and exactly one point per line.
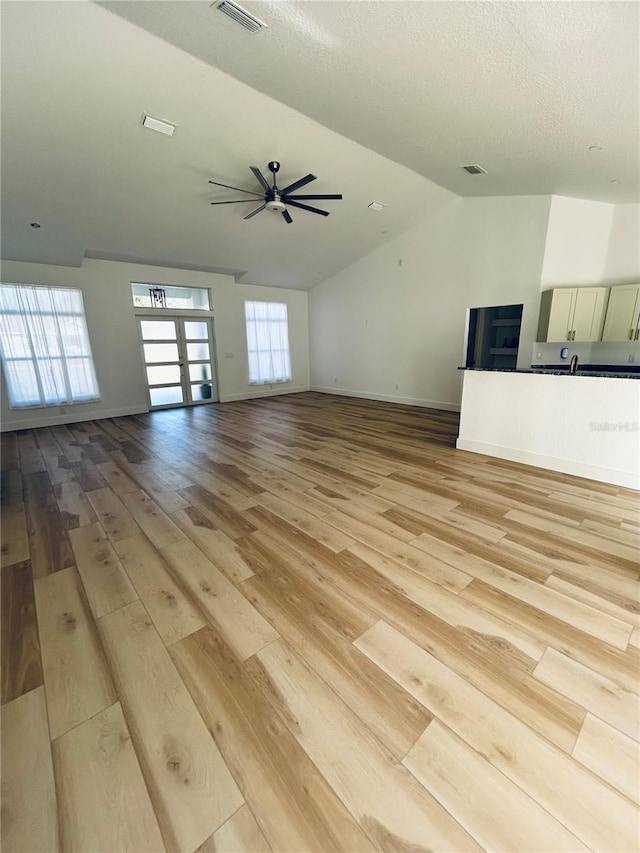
x=309, y=623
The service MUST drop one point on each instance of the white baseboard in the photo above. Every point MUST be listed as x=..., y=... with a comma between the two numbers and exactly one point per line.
x=626, y=479
x=72, y=416
x=277, y=391
x=386, y=398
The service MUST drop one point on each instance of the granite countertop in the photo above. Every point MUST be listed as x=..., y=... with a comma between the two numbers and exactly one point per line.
x=610, y=372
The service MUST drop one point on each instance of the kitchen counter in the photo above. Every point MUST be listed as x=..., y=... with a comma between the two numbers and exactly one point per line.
x=538, y=417
x=597, y=370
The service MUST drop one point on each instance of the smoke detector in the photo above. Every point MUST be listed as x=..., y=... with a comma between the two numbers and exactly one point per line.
x=276, y=206
x=240, y=16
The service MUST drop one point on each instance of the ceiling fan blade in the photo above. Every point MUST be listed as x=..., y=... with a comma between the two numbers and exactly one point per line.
x=287, y=217
x=307, y=207
x=301, y=183
x=236, y=201
x=239, y=189
x=253, y=212
x=261, y=178
x=317, y=197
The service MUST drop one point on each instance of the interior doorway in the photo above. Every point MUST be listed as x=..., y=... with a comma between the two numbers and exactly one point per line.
x=493, y=336
x=178, y=361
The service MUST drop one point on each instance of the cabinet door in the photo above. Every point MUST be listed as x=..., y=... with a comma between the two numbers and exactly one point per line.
x=561, y=315
x=622, y=314
x=588, y=314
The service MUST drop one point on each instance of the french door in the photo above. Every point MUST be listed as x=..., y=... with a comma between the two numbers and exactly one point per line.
x=178, y=361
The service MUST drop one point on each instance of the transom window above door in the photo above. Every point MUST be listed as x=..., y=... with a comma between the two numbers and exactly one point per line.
x=170, y=296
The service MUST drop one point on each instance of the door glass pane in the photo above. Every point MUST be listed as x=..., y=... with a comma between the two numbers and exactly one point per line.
x=160, y=352
x=158, y=330
x=199, y=371
x=197, y=351
x=163, y=375
x=166, y=396
x=201, y=392
x=196, y=331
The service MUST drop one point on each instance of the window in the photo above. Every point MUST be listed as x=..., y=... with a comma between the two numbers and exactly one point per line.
x=45, y=346
x=267, y=342
x=174, y=297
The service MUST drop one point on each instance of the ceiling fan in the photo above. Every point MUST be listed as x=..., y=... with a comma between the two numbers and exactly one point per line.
x=278, y=200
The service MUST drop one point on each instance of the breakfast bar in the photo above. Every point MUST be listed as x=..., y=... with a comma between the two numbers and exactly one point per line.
x=583, y=423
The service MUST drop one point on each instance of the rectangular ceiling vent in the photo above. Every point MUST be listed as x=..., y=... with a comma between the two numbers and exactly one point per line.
x=240, y=15
x=474, y=169
x=159, y=124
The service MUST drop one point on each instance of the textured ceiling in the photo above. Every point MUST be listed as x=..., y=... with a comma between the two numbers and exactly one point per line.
x=523, y=88
x=381, y=100
x=76, y=80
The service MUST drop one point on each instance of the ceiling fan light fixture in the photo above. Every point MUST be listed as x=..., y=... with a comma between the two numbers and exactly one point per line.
x=240, y=16
x=276, y=205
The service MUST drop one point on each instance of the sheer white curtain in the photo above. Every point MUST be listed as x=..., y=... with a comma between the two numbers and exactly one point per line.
x=45, y=346
x=267, y=342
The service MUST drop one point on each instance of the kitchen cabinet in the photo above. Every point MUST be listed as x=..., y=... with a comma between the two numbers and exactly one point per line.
x=622, y=322
x=572, y=314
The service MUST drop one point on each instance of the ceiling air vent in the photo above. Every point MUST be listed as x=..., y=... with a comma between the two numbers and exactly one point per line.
x=240, y=15
x=474, y=169
x=159, y=124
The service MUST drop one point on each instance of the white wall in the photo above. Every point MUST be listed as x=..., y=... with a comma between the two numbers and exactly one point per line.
x=391, y=326
x=590, y=243
x=577, y=244
x=623, y=258
x=114, y=337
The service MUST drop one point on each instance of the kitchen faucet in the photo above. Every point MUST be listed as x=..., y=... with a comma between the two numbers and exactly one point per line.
x=573, y=364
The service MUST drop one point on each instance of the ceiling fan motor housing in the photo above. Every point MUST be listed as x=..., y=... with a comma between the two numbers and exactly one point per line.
x=276, y=206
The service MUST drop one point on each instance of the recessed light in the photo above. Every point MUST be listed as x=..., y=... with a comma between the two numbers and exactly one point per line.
x=474, y=169
x=376, y=205
x=35, y=225
x=614, y=181
x=159, y=124
x=595, y=147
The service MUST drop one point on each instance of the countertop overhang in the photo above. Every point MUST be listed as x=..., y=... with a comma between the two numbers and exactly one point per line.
x=606, y=371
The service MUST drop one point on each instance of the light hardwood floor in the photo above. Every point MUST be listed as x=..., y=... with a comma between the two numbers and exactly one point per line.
x=309, y=623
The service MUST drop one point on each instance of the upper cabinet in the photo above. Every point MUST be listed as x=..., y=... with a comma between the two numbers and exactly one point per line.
x=622, y=322
x=572, y=314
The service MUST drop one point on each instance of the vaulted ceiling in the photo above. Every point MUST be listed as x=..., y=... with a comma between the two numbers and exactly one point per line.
x=382, y=101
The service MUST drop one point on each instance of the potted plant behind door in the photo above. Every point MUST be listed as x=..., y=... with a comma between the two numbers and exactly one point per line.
x=206, y=389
